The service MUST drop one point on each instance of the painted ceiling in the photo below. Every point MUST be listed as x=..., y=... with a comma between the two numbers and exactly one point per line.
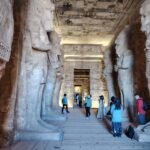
x=91, y=21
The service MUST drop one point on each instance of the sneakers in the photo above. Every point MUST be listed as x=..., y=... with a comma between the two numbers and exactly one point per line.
x=116, y=135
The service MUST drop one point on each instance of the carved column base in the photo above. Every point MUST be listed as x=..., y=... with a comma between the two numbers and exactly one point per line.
x=38, y=136
x=125, y=116
x=54, y=115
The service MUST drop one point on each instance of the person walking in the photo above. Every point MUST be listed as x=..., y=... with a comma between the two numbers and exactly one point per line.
x=116, y=111
x=140, y=110
x=88, y=105
x=65, y=103
x=80, y=100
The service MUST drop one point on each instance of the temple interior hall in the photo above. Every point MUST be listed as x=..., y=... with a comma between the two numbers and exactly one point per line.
x=66, y=67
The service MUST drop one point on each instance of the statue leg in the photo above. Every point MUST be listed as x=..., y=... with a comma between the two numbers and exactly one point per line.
x=35, y=128
x=48, y=113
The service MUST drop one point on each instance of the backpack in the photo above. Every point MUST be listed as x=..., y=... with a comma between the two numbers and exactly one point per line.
x=145, y=106
x=62, y=100
x=130, y=132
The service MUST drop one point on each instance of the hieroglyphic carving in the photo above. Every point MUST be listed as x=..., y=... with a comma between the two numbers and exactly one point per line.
x=6, y=33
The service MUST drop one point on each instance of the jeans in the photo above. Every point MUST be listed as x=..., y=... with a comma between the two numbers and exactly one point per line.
x=117, y=128
x=141, y=119
x=65, y=105
x=87, y=111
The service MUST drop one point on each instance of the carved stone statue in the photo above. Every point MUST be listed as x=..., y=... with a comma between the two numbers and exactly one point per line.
x=124, y=67
x=6, y=33
x=143, y=131
x=34, y=72
x=48, y=112
x=145, y=21
x=108, y=74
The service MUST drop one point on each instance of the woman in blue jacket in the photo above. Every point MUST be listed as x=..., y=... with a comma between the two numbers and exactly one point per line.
x=116, y=111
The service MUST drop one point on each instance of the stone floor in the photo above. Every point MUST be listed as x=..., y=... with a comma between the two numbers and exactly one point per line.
x=84, y=134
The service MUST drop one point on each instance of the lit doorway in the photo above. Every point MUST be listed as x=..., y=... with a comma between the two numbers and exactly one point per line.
x=82, y=82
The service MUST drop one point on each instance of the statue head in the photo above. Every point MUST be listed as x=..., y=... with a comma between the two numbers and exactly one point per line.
x=145, y=16
x=122, y=41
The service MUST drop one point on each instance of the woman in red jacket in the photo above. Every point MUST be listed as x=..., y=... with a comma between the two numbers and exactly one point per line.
x=140, y=111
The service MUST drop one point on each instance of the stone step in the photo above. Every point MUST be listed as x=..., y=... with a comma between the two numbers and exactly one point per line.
x=102, y=142
x=89, y=136
x=103, y=147
x=83, y=130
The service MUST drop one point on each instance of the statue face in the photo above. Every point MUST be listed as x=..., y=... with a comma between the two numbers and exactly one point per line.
x=145, y=16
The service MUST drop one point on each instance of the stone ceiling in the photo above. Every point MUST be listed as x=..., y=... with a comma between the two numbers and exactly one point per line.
x=91, y=21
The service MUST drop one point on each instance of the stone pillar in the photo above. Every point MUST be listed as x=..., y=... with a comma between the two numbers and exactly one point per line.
x=33, y=73
x=108, y=75
x=48, y=112
x=145, y=21
x=124, y=68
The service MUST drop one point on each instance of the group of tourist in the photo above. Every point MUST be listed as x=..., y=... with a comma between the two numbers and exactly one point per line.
x=115, y=111
x=78, y=99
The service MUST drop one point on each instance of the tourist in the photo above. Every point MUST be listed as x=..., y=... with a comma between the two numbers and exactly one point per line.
x=65, y=103
x=140, y=111
x=116, y=111
x=80, y=100
x=111, y=103
x=88, y=105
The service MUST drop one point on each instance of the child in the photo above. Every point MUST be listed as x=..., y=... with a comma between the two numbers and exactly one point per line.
x=116, y=111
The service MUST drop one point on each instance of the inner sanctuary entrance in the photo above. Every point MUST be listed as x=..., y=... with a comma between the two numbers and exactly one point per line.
x=83, y=66
x=82, y=82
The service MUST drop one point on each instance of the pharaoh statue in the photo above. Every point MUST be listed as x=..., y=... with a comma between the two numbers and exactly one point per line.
x=34, y=72
x=6, y=33
x=108, y=74
x=54, y=54
x=124, y=67
x=142, y=132
x=145, y=21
